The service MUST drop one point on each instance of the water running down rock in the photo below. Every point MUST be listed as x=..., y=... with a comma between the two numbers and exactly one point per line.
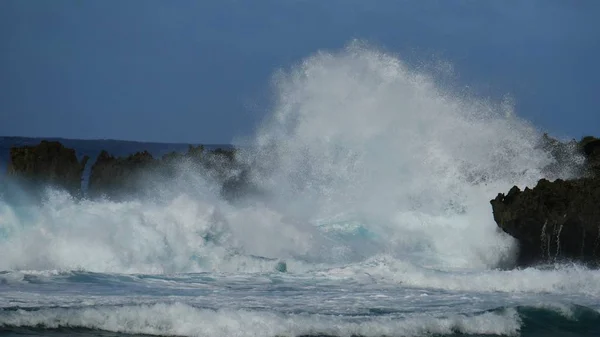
x=556, y=221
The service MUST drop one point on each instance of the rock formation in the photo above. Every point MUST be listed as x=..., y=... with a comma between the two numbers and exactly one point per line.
x=128, y=177
x=590, y=146
x=117, y=177
x=553, y=221
x=51, y=164
x=556, y=221
x=47, y=164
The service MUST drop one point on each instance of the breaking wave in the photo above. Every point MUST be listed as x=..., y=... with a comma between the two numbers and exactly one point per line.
x=179, y=319
x=361, y=157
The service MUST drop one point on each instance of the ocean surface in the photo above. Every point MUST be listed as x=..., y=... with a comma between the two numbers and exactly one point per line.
x=373, y=220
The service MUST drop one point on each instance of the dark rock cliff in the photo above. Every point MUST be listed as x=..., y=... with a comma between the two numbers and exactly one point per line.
x=556, y=221
x=134, y=176
x=118, y=177
x=47, y=164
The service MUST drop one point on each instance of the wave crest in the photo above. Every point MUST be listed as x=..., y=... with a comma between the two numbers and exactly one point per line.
x=354, y=137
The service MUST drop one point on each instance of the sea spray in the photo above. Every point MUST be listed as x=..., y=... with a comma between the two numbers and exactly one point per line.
x=183, y=234
x=362, y=157
x=358, y=134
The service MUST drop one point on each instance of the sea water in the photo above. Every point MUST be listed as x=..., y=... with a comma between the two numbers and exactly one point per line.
x=372, y=219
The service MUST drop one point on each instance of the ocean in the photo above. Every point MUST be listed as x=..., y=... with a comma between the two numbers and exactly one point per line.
x=373, y=219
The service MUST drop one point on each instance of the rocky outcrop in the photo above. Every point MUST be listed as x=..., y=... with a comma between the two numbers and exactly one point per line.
x=559, y=220
x=33, y=168
x=554, y=221
x=590, y=146
x=129, y=177
x=116, y=177
x=47, y=164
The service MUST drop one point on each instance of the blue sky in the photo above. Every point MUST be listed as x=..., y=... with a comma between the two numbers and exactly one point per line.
x=199, y=71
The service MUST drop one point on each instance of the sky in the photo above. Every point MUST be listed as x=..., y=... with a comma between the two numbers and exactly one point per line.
x=199, y=71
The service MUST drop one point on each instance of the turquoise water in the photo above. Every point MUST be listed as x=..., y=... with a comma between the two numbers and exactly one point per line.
x=275, y=304
x=97, y=268
x=373, y=219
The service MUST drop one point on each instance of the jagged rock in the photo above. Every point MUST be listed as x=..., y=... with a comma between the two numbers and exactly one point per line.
x=47, y=164
x=195, y=153
x=117, y=178
x=128, y=177
x=590, y=146
x=558, y=220
x=235, y=177
x=134, y=176
x=554, y=221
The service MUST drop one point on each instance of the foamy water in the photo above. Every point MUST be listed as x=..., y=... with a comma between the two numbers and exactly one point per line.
x=374, y=191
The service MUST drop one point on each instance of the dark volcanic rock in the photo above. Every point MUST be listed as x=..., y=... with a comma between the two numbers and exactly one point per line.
x=560, y=220
x=554, y=221
x=135, y=175
x=47, y=164
x=590, y=146
x=118, y=177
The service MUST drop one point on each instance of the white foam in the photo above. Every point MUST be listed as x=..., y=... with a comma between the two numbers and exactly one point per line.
x=359, y=132
x=355, y=135
x=11, y=278
x=566, y=279
x=183, y=320
x=146, y=236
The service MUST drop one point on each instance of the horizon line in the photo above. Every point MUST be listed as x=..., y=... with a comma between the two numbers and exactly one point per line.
x=112, y=140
